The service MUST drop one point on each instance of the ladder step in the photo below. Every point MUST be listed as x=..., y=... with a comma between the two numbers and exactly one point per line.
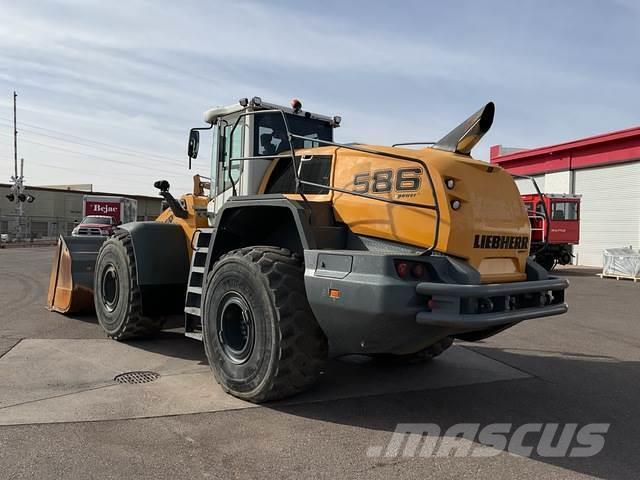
x=192, y=313
x=192, y=310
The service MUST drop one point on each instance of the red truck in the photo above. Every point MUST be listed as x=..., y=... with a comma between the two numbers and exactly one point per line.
x=103, y=214
x=552, y=237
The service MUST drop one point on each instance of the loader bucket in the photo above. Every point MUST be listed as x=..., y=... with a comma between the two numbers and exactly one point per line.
x=71, y=280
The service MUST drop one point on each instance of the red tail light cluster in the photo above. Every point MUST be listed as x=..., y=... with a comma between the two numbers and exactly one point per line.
x=410, y=270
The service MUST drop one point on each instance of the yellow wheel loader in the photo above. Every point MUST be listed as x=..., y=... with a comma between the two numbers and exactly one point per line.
x=299, y=248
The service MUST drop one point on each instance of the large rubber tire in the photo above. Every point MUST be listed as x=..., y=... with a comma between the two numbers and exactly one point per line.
x=564, y=258
x=260, y=336
x=425, y=355
x=116, y=293
x=546, y=261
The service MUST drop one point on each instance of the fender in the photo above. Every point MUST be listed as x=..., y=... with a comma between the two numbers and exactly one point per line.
x=161, y=252
x=162, y=265
x=260, y=220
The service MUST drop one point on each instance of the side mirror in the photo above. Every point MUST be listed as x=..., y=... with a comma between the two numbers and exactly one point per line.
x=194, y=143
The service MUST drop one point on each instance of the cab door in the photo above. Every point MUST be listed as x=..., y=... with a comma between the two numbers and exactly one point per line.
x=565, y=221
x=230, y=147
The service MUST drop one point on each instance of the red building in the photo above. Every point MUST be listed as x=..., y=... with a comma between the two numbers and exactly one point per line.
x=604, y=169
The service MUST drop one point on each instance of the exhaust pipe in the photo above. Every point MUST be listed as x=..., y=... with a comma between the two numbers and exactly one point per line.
x=466, y=135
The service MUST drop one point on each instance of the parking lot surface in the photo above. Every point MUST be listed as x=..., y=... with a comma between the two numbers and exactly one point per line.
x=62, y=414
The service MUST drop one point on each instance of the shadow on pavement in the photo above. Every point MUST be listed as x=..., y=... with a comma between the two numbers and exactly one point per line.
x=87, y=317
x=566, y=388
x=172, y=344
x=576, y=272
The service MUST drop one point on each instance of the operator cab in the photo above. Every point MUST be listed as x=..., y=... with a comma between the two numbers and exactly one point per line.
x=248, y=136
x=564, y=217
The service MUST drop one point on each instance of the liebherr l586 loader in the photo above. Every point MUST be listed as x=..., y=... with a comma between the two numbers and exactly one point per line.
x=305, y=248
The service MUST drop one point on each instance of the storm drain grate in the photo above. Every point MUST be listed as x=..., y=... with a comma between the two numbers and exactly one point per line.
x=136, y=377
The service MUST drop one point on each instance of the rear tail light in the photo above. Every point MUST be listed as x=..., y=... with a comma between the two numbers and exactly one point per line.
x=411, y=270
x=417, y=271
x=402, y=269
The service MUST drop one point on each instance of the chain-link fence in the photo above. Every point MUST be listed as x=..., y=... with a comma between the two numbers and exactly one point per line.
x=33, y=228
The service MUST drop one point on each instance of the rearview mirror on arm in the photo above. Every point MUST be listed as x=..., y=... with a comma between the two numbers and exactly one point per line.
x=194, y=143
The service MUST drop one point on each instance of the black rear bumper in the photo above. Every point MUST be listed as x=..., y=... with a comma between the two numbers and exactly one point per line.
x=478, y=307
x=363, y=306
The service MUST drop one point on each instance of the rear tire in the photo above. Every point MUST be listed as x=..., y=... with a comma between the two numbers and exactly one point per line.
x=261, y=338
x=116, y=294
x=425, y=355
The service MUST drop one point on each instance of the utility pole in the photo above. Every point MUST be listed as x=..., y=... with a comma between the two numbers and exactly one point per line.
x=17, y=193
x=18, y=180
x=15, y=136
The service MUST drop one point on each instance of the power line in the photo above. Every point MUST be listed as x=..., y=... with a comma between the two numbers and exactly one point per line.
x=109, y=149
x=121, y=177
x=87, y=143
x=113, y=175
x=98, y=142
x=105, y=159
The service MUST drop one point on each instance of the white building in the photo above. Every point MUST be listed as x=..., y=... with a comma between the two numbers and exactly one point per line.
x=604, y=169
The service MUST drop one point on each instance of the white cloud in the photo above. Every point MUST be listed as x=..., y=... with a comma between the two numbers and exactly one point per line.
x=140, y=73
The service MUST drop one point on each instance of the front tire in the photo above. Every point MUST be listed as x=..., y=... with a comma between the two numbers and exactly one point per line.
x=116, y=293
x=261, y=338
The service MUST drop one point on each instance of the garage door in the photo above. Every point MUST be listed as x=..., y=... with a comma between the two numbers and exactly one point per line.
x=610, y=210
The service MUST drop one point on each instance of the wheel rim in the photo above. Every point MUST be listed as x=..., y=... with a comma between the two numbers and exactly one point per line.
x=110, y=288
x=236, y=328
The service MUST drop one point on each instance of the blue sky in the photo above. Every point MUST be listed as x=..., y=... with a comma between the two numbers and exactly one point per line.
x=108, y=90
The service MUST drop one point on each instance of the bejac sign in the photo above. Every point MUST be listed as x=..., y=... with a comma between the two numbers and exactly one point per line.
x=103, y=208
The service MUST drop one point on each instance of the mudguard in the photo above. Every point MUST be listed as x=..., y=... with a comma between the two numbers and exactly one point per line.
x=161, y=252
x=162, y=265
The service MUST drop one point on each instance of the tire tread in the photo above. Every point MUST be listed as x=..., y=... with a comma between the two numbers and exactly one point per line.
x=302, y=344
x=136, y=325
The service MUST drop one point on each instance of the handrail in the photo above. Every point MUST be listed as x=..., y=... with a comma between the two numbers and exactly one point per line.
x=412, y=143
x=537, y=216
x=544, y=207
x=297, y=170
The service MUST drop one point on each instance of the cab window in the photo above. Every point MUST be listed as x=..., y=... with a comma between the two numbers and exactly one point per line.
x=233, y=148
x=564, y=211
x=315, y=169
x=272, y=138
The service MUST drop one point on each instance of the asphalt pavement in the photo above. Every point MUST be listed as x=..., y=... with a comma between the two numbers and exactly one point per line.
x=63, y=416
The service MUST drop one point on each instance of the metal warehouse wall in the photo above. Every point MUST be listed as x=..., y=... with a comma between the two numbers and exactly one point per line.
x=526, y=186
x=609, y=210
x=56, y=212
